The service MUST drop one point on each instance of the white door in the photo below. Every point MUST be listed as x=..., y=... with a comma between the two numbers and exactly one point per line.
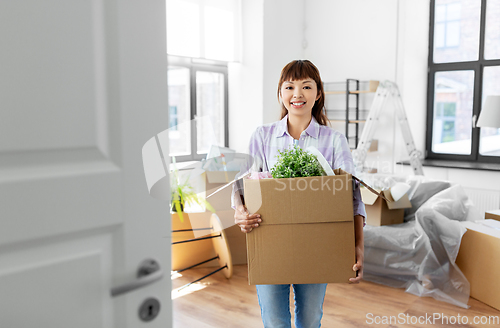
x=82, y=87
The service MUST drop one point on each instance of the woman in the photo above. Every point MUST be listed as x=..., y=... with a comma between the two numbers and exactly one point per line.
x=303, y=123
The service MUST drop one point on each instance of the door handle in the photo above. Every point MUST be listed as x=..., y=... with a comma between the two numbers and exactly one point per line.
x=149, y=271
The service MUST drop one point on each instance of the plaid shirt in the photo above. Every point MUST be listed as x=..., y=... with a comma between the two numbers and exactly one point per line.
x=269, y=138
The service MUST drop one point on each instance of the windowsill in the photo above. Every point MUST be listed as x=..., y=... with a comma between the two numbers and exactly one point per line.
x=457, y=165
x=182, y=166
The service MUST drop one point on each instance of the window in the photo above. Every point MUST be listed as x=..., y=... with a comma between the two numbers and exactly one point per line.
x=198, y=112
x=173, y=119
x=447, y=26
x=202, y=37
x=464, y=68
x=445, y=122
x=208, y=29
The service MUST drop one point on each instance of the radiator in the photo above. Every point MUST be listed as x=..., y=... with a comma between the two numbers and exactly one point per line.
x=484, y=199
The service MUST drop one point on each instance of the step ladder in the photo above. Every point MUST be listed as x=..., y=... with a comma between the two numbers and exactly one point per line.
x=386, y=90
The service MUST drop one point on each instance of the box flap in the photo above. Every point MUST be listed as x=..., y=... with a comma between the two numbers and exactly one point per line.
x=301, y=200
x=220, y=176
x=488, y=227
x=492, y=223
x=364, y=184
x=339, y=172
x=368, y=197
x=403, y=202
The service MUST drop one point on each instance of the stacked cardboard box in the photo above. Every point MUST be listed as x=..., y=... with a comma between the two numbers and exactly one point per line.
x=493, y=215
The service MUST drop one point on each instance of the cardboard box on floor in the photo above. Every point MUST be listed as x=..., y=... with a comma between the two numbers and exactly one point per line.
x=478, y=260
x=187, y=254
x=380, y=212
x=235, y=238
x=307, y=230
x=221, y=202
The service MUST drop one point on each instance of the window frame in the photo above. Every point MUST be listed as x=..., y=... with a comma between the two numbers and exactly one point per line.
x=477, y=67
x=196, y=65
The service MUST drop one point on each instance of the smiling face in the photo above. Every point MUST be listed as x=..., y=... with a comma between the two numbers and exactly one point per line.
x=301, y=79
x=299, y=96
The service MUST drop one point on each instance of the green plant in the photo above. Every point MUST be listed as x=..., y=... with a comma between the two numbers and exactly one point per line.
x=295, y=162
x=182, y=194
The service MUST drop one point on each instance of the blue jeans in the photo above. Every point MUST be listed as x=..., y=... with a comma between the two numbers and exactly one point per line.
x=274, y=301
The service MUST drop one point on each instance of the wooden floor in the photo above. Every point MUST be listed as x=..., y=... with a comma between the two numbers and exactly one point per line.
x=219, y=302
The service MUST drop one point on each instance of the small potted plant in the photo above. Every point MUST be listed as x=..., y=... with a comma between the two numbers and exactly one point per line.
x=182, y=193
x=295, y=162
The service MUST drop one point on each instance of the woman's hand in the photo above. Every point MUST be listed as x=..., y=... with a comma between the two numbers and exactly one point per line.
x=358, y=266
x=244, y=220
x=360, y=249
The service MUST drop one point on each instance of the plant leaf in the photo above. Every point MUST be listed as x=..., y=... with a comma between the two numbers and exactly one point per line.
x=177, y=205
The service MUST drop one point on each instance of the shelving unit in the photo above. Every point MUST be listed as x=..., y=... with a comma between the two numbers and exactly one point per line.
x=350, y=88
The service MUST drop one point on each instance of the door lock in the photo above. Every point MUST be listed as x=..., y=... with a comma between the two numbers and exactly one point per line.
x=149, y=309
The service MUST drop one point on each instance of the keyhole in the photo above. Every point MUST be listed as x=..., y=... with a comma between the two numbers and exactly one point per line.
x=149, y=309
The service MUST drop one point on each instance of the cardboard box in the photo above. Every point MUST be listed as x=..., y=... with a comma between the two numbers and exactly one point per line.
x=492, y=215
x=235, y=238
x=187, y=254
x=379, y=212
x=478, y=260
x=307, y=230
x=221, y=201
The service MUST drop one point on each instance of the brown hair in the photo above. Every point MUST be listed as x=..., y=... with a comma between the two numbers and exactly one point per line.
x=301, y=70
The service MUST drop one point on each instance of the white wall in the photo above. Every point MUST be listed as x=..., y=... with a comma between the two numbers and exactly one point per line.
x=271, y=39
x=245, y=78
x=283, y=39
x=411, y=72
x=352, y=39
x=357, y=39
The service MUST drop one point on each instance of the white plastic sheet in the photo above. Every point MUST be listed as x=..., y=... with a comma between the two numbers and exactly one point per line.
x=420, y=254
